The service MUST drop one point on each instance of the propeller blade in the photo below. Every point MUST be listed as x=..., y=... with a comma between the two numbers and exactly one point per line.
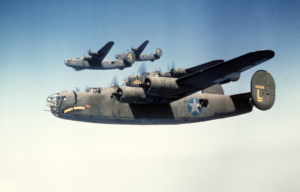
x=89, y=51
x=168, y=68
x=141, y=69
x=86, y=88
x=173, y=65
x=77, y=89
x=114, y=80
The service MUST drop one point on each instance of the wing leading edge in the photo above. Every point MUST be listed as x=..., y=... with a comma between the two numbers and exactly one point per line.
x=141, y=48
x=217, y=73
x=105, y=49
x=204, y=66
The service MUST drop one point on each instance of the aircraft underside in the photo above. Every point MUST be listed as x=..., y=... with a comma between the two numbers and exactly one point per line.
x=194, y=108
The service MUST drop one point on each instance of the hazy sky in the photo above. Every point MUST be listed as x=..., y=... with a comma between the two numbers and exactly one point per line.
x=259, y=151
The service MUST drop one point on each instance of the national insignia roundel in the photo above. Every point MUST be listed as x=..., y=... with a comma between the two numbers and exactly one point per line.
x=194, y=106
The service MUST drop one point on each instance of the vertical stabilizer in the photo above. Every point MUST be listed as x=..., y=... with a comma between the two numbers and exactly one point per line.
x=263, y=90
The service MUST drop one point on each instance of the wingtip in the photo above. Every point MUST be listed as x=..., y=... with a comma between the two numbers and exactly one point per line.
x=267, y=53
x=270, y=53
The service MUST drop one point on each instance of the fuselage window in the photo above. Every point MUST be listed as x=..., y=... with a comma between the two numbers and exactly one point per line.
x=203, y=103
x=97, y=91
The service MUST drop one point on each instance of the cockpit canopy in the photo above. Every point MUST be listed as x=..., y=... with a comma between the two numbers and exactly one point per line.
x=94, y=90
x=55, y=99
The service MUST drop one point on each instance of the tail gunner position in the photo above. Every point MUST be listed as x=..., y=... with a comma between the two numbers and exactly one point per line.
x=172, y=99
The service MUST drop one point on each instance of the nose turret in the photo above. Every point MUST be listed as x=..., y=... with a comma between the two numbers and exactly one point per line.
x=54, y=102
x=66, y=62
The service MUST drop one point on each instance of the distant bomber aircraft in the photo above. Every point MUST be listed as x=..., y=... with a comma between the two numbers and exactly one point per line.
x=96, y=60
x=172, y=98
x=139, y=50
x=137, y=80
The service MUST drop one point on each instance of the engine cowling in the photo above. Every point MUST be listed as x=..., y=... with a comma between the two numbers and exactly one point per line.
x=159, y=84
x=93, y=53
x=177, y=72
x=232, y=79
x=164, y=74
x=118, y=56
x=235, y=78
x=87, y=58
x=130, y=95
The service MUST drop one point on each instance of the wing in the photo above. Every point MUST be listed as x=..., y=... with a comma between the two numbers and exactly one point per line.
x=141, y=48
x=203, y=66
x=105, y=49
x=217, y=73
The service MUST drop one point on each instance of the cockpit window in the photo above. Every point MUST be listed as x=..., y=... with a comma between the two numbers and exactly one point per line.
x=64, y=99
x=95, y=90
x=53, y=100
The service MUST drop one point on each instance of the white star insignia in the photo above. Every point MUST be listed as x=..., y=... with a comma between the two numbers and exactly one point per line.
x=194, y=106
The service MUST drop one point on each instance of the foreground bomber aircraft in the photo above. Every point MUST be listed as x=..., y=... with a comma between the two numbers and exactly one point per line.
x=139, y=50
x=96, y=60
x=172, y=100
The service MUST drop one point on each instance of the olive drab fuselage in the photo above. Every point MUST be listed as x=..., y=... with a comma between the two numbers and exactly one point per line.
x=103, y=107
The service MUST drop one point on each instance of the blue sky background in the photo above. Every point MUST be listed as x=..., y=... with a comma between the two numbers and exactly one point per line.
x=38, y=152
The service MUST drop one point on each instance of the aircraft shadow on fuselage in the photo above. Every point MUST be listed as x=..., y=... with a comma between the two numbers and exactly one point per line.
x=151, y=111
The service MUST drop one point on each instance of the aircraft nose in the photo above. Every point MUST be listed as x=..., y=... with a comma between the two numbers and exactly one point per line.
x=54, y=102
x=66, y=61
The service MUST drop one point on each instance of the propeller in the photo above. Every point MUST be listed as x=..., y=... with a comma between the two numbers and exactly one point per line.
x=117, y=94
x=141, y=69
x=114, y=83
x=114, y=80
x=147, y=85
x=86, y=88
x=89, y=51
x=168, y=68
x=173, y=65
